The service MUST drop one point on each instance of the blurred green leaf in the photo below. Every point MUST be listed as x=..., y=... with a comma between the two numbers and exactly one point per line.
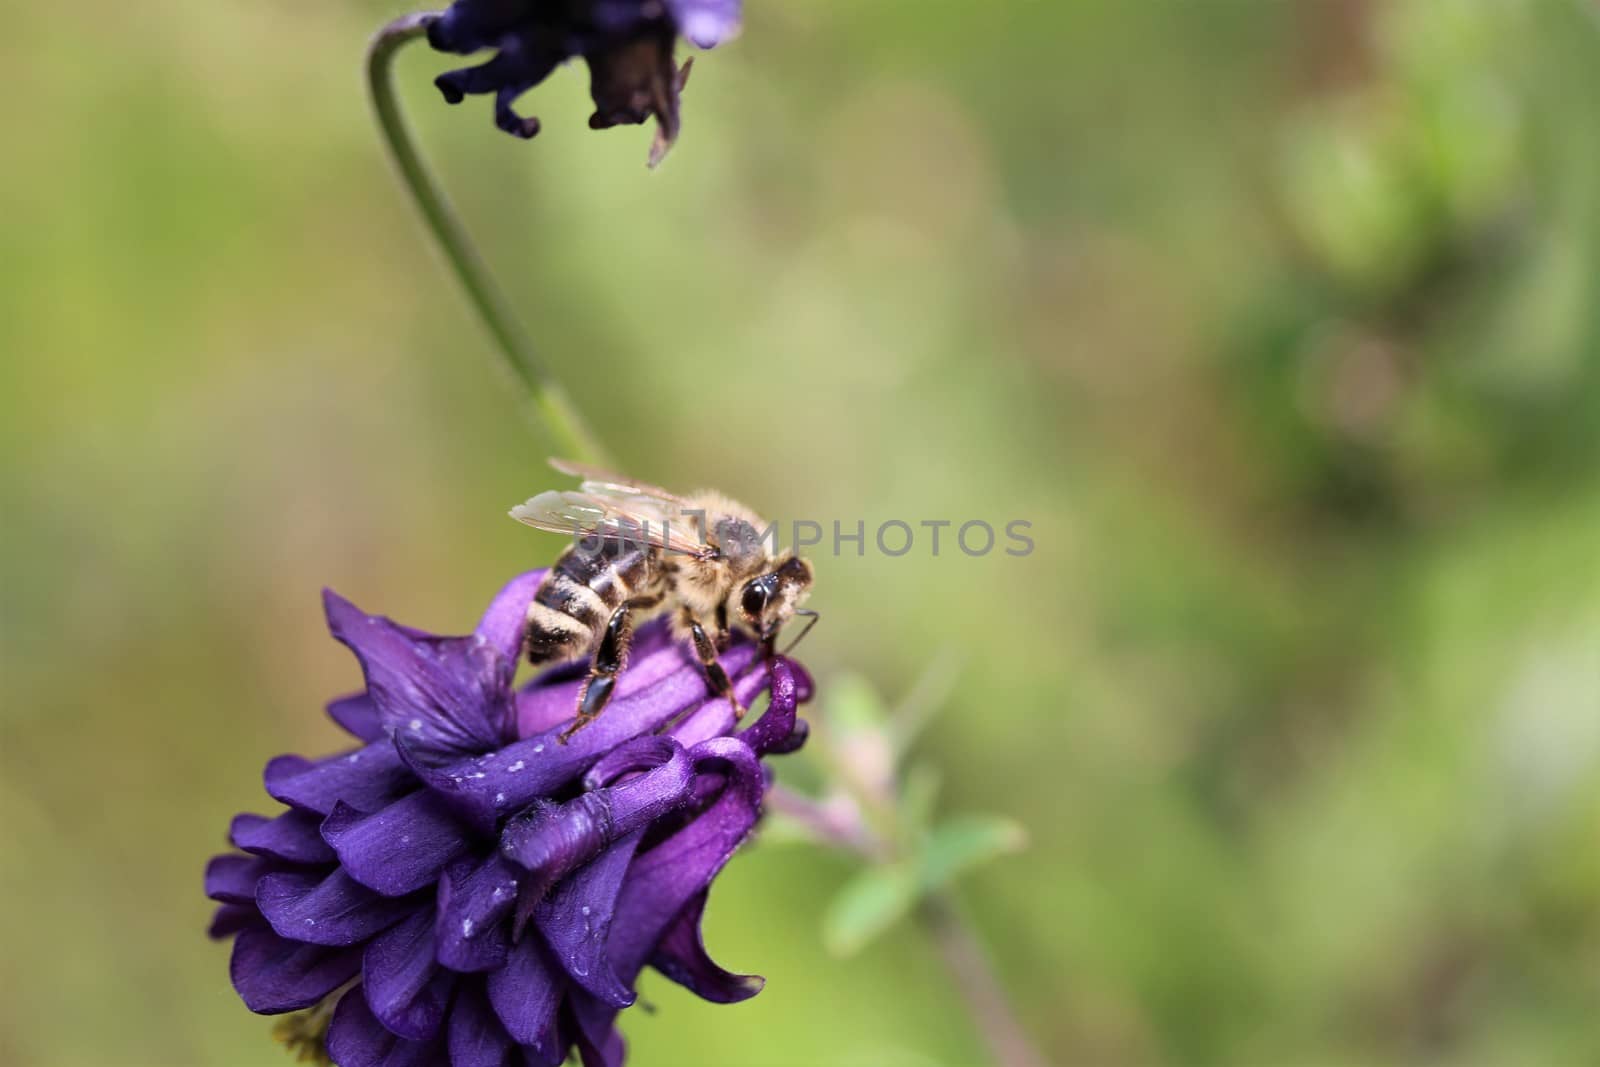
x=965, y=842
x=878, y=897
x=853, y=704
x=917, y=797
x=871, y=902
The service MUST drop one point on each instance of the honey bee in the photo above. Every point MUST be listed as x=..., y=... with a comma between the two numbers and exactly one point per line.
x=640, y=550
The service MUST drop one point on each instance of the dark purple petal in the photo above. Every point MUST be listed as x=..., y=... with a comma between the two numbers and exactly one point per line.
x=292, y=837
x=777, y=723
x=397, y=850
x=664, y=879
x=476, y=1038
x=548, y=702
x=797, y=737
x=445, y=694
x=525, y=994
x=405, y=986
x=328, y=909
x=357, y=1039
x=365, y=779
x=551, y=840
x=681, y=956
x=231, y=878
x=650, y=693
x=432, y=847
x=229, y=919
x=504, y=622
x=575, y=920
x=705, y=23
x=474, y=902
x=804, y=687
x=358, y=716
x=714, y=717
x=273, y=975
x=644, y=753
x=598, y=1042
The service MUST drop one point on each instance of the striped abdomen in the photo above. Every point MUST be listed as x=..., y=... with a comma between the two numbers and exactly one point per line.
x=577, y=597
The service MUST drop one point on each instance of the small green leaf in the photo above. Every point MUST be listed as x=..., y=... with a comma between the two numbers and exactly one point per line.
x=872, y=901
x=853, y=704
x=965, y=842
x=917, y=796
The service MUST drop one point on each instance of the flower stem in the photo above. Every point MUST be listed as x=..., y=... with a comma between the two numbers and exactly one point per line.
x=551, y=405
x=940, y=916
x=968, y=964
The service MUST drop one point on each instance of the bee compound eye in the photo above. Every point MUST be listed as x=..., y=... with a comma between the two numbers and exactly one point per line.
x=754, y=601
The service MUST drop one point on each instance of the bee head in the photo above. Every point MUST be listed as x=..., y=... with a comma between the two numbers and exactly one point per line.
x=768, y=600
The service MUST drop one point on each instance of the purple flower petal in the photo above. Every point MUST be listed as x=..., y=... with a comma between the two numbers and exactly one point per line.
x=549, y=700
x=575, y=920
x=365, y=779
x=357, y=1039
x=682, y=957
x=714, y=717
x=550, y=840
x=804, y=686
x=650, y=693
x=474, y=901
x=405, y=987
x=419, y=858
x=229, y=919
x=777, y=723
x=231, y=878
x=598, y=1042
x=506, y=619
x=644, y=753
x=792, y=743
x=705, y=23
x=476, y=1038
x=446, y=694
x=397, y=850
x=358, y=716
x=273, y=975
x=292, y=837
x=328, y=909
x=664, y=879
x=525, y=994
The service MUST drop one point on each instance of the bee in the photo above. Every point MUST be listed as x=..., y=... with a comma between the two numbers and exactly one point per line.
x=639, y=551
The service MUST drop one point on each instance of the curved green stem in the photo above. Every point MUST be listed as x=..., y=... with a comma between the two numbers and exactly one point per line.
x=551, y=404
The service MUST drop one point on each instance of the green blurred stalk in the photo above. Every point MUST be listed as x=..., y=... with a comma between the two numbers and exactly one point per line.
x=552, y=406
x=939, y=915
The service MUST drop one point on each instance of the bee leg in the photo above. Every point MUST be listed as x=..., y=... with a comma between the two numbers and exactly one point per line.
x=608, y=660
x=723, y=636
x=716, y=677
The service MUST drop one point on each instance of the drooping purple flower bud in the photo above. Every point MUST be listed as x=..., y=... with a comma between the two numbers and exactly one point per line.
x=462, y=888
x=627, y=44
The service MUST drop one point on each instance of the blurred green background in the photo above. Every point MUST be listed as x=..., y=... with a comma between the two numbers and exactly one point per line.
x=1279, y=321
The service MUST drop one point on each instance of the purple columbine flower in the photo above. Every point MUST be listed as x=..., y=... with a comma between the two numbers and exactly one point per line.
x=461, y=888
x=628, y=45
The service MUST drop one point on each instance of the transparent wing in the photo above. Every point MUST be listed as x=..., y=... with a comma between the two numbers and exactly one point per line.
x=635, y=517
x=598, y=480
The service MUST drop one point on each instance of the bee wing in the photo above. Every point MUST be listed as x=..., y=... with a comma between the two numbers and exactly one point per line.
x=636, y=518
x=595, y=479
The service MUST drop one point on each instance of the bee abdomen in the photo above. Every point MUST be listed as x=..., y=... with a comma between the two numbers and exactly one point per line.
x=576, y=599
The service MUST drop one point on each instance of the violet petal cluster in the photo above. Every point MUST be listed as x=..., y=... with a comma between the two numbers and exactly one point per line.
x=474, y=891
x=627, y=44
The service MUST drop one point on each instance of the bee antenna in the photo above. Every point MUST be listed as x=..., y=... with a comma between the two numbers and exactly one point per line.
x=813, y=617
